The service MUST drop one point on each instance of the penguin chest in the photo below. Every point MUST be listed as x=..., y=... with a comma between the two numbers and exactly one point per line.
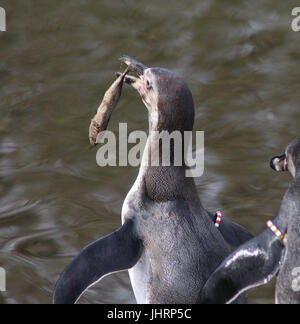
x=175, y=266
x=167, y=272
x=180, y=250
x=180, y=256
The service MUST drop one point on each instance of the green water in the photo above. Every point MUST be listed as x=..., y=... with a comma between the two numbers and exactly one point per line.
x=57, y=58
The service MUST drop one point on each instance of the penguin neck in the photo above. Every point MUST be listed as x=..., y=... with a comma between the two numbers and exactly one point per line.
x=165, y=182
x=165, y=147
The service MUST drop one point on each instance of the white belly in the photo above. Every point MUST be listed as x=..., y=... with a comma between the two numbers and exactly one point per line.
x=140, y=277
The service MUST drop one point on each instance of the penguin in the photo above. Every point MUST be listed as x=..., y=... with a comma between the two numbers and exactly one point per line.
x=168, y=241
x=274, y=252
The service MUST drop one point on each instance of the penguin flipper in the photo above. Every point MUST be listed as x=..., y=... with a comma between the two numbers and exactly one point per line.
x=234, y=234
x=116, y=252
x=251, y=265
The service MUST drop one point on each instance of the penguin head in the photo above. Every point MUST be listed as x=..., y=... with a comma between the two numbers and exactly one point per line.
x=290, y=160
x=166, y=96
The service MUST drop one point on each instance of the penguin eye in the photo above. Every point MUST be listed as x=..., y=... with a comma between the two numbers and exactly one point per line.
x=148, y=84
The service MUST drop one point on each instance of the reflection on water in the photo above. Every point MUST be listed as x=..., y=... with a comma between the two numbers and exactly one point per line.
x=56, y=60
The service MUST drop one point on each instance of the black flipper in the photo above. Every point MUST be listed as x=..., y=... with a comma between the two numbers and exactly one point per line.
x=253, y=264
x=235, y=235
x=116, y=252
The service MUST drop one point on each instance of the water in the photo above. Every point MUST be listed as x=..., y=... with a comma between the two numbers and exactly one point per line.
x=240, y=60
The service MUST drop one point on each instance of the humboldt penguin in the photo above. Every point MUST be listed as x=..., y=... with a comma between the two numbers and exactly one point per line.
x=168, y=241
x=273, y=252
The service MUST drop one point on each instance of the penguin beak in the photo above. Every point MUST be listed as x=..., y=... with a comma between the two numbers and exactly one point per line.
x=134, y=65
x=139, y=69
x=279, y=163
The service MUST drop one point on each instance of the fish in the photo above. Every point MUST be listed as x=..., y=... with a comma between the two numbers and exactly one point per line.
x=110, y=100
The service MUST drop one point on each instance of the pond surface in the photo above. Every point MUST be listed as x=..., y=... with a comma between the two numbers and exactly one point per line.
x=57, y=58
